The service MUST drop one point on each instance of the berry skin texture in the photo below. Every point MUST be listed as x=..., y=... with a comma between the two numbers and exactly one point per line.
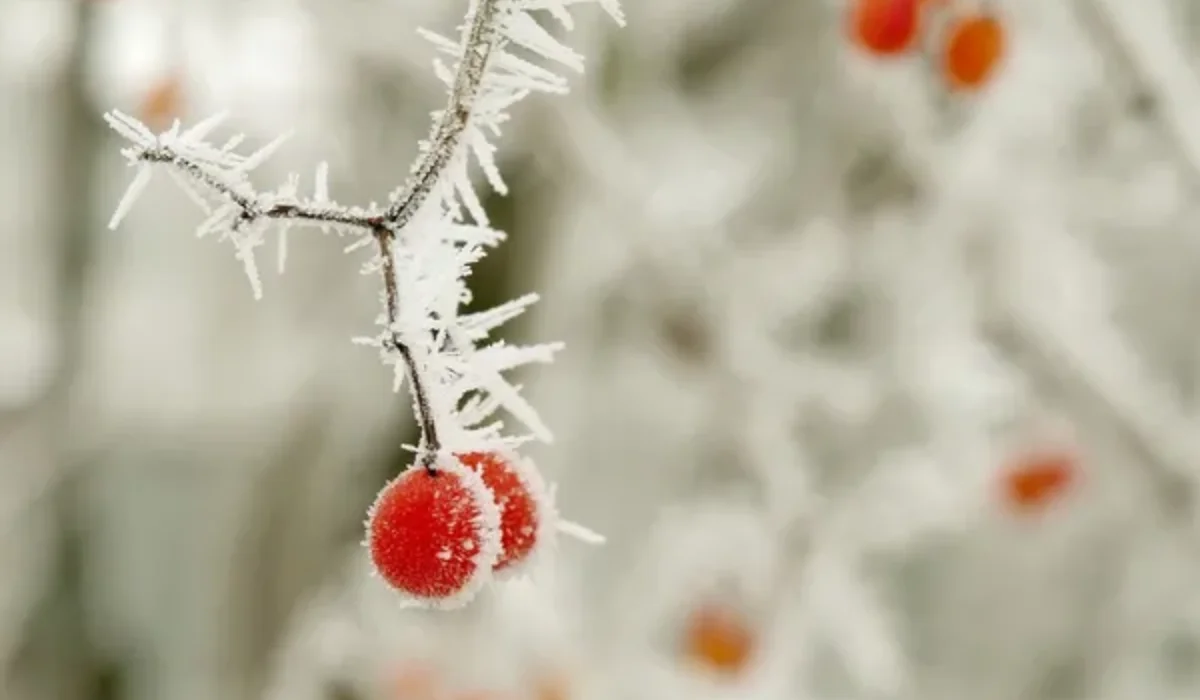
x=885, y=27
x=1035, y=481
x=973, y=49
x=435, y=537
x=524, y=506
x=718, y=639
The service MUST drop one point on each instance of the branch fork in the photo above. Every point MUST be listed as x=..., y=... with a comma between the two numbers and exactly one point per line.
x=424, y=243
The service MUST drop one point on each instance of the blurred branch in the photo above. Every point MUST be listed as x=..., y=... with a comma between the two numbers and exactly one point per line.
x=1142, y=35
x=1161, y=435
x=55, y=648
x=719, y=44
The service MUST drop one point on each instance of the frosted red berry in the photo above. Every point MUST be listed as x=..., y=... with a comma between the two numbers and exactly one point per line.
x=520, y=495
x=885, y=27
x=435, y=535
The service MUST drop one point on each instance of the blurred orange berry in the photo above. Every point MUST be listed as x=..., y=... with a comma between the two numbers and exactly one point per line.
x=415, y=680
x=1036, y=480
x=718, y=639
x=884, y=27
x=974, y=46
x=477, y=695
x=552, y=686
x=163, y=103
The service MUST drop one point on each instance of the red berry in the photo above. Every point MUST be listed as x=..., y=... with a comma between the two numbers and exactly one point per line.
x=885, y=27
x=1037, y=479
x=520, y=494
x=435, y=536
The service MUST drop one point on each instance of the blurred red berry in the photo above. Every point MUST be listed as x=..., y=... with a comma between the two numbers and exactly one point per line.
x=1036, y=480
x=435, y=535
x=885, y=27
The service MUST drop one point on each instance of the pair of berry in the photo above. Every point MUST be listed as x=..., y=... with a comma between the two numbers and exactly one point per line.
x=971, y=43
x=438, y=535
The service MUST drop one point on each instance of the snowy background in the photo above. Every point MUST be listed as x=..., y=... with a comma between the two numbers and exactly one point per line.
x=823, y=318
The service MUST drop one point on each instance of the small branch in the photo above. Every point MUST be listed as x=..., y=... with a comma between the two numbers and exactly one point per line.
x=251, y=205
x=222, y=174
x=430, y=442
x=483, y=36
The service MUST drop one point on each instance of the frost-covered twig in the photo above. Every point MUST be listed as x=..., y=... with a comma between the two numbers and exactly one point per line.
x=424, y=245
x=482, y=36
x=424, y=411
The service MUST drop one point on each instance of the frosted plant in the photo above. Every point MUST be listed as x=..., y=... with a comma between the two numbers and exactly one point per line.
x=424, y=241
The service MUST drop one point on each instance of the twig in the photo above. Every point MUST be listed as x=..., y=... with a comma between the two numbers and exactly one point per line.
x=482, y=37
x=430, y=444
x=217, y=179
x=251, y=205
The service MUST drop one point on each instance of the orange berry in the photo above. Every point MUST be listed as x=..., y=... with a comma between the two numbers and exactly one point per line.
x=478, y=694
x=718, y=639
x=974, y=46
x=885, y=27
x=1036, y=480
x=415, y=681
x=554, y=686
x=162, y=103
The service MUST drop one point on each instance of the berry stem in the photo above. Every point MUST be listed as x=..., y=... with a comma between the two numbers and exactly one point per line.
x=430, y=444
